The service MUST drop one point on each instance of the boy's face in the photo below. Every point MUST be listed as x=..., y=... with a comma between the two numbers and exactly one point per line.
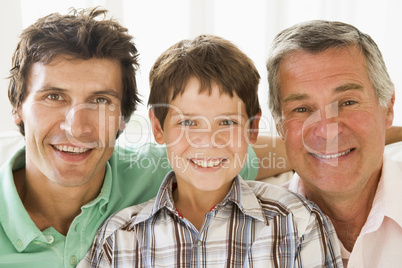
x=206, y=137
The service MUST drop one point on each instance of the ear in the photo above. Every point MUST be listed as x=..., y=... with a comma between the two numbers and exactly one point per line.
x=16, y=117
x=156, y=127
x=389, y=116
x=254, y=128
x=122, y=125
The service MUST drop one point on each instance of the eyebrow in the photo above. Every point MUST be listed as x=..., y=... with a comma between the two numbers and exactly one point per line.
x=176, y=114
x=51, y=89
x=339, y=89
x=108, y=92
x=232, y=114
x=349, y=86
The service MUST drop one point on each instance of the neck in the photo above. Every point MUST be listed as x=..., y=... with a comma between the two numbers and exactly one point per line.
x=193, y=205
x=49, y=204
x=348, y=211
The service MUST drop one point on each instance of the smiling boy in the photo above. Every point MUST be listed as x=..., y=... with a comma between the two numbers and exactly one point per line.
x=205, y=109
x=72, y=89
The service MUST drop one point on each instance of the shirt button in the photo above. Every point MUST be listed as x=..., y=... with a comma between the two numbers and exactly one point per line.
x=50, y=239
x=103, y=209
x=73, y=260
x=198, y=243
x=76, y=227
x=19, y=243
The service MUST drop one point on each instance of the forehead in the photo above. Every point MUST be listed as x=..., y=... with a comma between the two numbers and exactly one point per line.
x=66, y=73
x=326, y=70
x=206, y=102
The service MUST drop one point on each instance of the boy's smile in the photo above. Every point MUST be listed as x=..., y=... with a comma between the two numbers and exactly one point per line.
x=207, y=138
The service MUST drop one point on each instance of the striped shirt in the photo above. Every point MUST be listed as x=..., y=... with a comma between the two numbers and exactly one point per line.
x=256, y=225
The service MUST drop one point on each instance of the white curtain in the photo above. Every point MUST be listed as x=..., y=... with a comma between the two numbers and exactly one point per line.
x=251, y=24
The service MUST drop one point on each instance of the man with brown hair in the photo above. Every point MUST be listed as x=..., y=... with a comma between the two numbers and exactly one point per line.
x=72, y=89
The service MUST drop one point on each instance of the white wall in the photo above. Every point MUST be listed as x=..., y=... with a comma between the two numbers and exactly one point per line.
x=9, y=37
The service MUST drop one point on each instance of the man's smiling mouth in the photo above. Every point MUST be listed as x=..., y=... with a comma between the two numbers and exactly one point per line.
x=71, y=149
x=330, y=156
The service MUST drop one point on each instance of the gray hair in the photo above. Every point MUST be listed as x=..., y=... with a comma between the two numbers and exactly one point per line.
x=317, y=36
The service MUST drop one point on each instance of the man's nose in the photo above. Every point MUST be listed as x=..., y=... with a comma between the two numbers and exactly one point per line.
x=80, y=120
x=324, y=123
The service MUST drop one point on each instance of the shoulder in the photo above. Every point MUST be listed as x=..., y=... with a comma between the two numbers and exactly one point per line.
x=269, y=193
x=144, y=156
x=15, y=162
x=134, y=151
x=127, y=218
x=11, y=143
x=277, y=201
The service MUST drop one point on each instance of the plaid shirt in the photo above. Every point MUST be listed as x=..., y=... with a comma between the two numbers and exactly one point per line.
x=256, y=225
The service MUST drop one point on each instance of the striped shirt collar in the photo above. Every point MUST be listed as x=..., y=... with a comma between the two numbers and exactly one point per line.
x=239, y=193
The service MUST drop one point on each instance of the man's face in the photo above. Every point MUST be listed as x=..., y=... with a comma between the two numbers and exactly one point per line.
x=206, y=137
x=71, y=117
x=333, y=126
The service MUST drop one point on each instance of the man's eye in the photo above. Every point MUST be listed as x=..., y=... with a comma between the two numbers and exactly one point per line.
x=56, y=97
x=187, y=123
x=101, y=100
x=347, y=103
x=228, y=122
x=300, y=110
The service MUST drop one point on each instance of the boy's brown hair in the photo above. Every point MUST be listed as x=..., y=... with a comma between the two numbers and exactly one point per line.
x=209, y=59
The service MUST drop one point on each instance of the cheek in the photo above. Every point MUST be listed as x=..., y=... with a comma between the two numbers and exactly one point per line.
x=113, y=122
x=238, y=146
x=176, y=154
x=175, y=139
x=367, y=126
x=293, y=131
x=40, y=119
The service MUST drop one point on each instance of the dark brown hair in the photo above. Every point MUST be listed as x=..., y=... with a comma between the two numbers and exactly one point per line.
x=209, y=59
x=79, y=35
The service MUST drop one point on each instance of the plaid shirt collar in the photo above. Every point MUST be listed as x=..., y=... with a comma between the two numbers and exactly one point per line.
x=239, y=193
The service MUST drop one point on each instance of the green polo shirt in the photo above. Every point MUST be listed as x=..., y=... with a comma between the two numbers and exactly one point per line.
x=133, y=175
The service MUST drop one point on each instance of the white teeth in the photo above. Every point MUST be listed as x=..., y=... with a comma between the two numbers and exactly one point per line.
x=71, y=149
x=205, y=164
x=332, y=155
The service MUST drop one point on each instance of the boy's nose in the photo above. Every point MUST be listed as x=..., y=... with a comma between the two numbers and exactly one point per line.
x=209, y=138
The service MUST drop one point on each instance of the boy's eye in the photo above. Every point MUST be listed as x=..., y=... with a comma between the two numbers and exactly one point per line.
x=55, y=97
x=101, y=100
x=187, y=123
x=228, y=122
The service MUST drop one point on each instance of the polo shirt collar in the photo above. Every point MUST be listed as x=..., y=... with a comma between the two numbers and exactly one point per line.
x=104, y=194
x=14, y=218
